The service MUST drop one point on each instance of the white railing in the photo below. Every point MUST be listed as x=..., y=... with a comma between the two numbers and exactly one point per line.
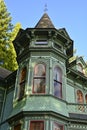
x=77, y=108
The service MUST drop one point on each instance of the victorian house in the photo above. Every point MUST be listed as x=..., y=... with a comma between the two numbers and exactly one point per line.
x=49, y=89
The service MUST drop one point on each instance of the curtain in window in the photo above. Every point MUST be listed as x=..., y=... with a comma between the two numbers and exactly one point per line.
x=80, y=96
x=23, y=74
x=39, y=80
x=80, y=100
x=37, y=125
x=57, y=82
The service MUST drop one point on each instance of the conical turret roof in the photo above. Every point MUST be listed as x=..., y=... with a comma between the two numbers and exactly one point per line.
x=45, y=22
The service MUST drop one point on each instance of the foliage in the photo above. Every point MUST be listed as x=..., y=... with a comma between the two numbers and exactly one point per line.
x=72, y=59
x=7, y=34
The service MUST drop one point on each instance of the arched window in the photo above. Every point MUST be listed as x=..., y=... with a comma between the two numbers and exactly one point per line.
x=22, y=83
x=80, y=100
x=80, y=96
x=80, y=68
x=39, y=79
x=58, y=82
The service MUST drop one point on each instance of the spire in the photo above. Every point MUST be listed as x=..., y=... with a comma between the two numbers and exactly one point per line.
x=45, y=10
x=45, y=22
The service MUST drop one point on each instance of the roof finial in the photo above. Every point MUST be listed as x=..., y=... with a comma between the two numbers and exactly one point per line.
x=45, y=8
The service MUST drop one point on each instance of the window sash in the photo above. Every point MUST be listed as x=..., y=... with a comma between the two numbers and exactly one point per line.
x=80, y=98
x=22, y=81
x=39, y=70
x=23, y=75
x=39, y=79
x=57, y=82
x=39, y=84
x=21, y=90
x=57, y=89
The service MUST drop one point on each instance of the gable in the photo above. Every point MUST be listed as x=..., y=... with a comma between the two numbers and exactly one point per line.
x=81, y=61
x=64, y=32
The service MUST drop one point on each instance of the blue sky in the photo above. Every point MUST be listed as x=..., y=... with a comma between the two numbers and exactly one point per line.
x=69, y=14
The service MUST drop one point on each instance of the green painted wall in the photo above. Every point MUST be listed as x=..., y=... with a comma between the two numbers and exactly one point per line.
x=7, y=108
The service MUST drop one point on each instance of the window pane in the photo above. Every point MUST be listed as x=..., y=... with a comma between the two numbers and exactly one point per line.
x=37, y=125
x=23, y=74
x=80, y=100
x=57, y=82
x=57, y=74
x=39, y=85
x=80, y=96
x=39, y=78
x=39, y=70
x=21, y=90
x=57, y=89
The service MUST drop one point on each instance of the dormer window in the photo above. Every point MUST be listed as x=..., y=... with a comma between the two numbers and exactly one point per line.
x=39, y=79
x=80, y=68
x=57, y=82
